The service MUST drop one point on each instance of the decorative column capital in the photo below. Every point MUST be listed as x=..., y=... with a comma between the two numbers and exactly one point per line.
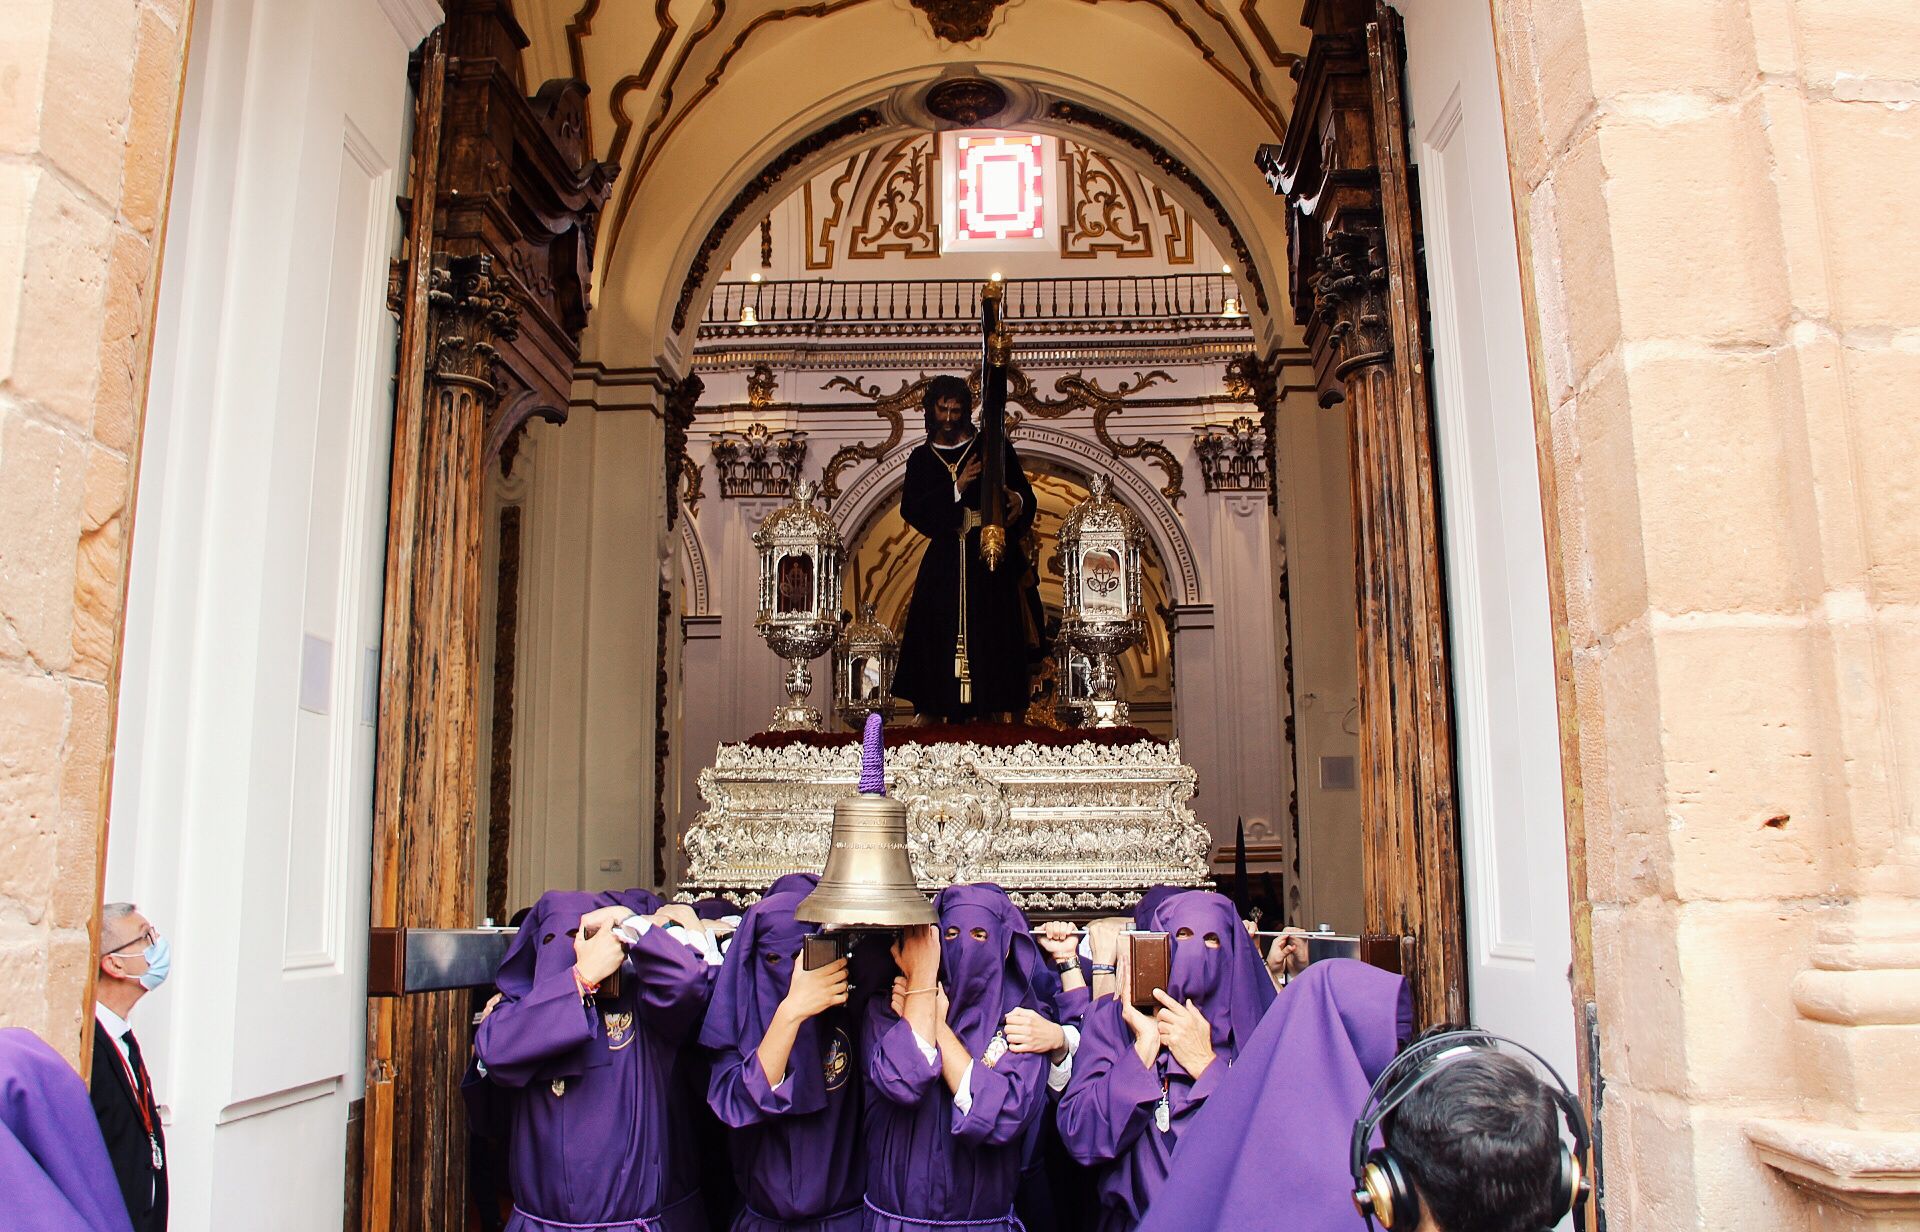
x=1350, y=299
x=471, y=312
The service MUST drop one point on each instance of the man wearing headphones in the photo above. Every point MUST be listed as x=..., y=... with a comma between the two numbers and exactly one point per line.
x=1472, y=1140
x=1480, y=1143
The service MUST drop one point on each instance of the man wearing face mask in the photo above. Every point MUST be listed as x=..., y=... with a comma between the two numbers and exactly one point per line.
x=134, y=960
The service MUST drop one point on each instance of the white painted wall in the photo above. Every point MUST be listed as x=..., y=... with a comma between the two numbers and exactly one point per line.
x=1512, y=816
x=241, y=808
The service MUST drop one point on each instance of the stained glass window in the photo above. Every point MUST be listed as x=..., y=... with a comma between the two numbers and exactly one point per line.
x=999, y=195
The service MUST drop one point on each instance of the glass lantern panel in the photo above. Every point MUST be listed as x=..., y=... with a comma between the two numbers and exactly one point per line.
x=1102, y=595
x=796, y=586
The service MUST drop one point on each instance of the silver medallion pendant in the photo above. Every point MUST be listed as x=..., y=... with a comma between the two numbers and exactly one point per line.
x=159, y=1160
x=996, y=1048
x=558, y=1086
x=1163, y=1115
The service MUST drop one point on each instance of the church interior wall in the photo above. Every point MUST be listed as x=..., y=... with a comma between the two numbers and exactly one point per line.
x=1315, y=525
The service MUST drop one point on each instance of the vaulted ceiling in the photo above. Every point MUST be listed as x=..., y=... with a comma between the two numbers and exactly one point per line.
x=696, y=99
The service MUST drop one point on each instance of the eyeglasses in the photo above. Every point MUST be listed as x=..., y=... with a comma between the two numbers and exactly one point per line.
x=145, y=937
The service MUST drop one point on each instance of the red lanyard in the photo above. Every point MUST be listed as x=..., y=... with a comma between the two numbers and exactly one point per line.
x=142, y=1096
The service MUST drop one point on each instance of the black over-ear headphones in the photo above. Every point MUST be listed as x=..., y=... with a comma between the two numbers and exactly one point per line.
x=1382, y=1188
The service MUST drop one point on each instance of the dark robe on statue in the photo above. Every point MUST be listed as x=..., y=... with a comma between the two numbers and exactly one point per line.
x=927, y=1162
x=590, y=1087
x=1109, y=1114
x=1270, y=1149
x=1001, y=605
x=795, y=1147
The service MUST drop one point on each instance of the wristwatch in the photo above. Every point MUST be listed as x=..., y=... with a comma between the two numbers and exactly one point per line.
x=1066, y=964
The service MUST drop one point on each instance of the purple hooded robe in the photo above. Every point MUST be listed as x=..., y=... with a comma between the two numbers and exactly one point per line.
x=796, y=1148
x=592, y=1107
x=1109, y=1113
x=926, y=1161
x=54, y=1170
x=1270, y=1148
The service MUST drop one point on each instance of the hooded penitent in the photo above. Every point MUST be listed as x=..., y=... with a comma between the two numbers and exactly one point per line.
x=54, y=1170
x=795, y=1146
x=929, y=1161
x=589, y=1082
x=1125, y=1118
x=1302, y=1080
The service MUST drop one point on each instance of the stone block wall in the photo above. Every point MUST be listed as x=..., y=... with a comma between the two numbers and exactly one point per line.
x=89, y=104
x=1726, y=306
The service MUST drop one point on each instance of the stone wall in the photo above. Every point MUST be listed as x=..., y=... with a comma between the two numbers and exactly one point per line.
x=88, y=112
x=1727, y=317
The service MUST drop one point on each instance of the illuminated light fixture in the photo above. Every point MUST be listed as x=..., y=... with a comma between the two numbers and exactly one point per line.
x=753, y=278
x=1225, y=269
x=1000, y=186
x=1231, y=310
x=748, y=316
x=995, y=275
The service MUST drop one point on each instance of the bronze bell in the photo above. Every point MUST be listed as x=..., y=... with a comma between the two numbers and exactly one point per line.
x=868, y=881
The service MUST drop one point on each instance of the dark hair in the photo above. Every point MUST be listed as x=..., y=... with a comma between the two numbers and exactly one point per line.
x=1480, y=1140
x=944, y=387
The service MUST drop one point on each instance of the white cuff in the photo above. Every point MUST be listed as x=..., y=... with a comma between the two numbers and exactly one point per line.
x=927, y=1050
x=1059, y=1075
x=963, y=1098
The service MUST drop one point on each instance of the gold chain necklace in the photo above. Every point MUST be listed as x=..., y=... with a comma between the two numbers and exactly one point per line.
x=953, y=468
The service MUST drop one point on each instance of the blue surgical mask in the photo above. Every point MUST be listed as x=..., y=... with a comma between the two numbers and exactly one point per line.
x=159, y=958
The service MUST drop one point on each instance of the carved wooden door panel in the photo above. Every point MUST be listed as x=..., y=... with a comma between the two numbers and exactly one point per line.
x=492, y=294
x=1353, y=234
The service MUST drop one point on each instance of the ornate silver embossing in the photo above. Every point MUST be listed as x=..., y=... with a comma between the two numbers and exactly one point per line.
x=1077, y=828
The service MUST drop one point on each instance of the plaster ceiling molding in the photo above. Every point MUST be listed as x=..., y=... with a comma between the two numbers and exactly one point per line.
x=696, y=575
x=833, y=189
x=1100, y=213
x=899, y=203
x=1179, y=224
x=960, y=21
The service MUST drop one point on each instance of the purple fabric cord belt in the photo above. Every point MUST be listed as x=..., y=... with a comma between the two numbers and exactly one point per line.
x=1008, y=1218
x=813, y=1221
x=645, y=1223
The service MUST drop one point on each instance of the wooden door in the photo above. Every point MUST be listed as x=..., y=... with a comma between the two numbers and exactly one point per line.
x=1356, y=279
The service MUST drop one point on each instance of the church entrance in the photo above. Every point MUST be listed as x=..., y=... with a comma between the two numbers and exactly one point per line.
x=1292, y=387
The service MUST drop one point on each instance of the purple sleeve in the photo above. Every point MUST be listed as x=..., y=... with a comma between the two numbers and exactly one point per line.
x=674, y=983
x=524, y=1034
x=1208, y=1082
x=896, y=1067
x=739, y=1095
x=1072, y=1005
x=1111, y=1095
x=1005, y=1098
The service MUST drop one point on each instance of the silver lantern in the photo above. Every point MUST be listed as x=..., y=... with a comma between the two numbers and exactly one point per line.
x=863, y=664
x=1104, y=609
x=799, y=597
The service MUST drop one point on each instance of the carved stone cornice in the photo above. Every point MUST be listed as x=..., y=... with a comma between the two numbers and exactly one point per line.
x=1251, y=379
x=759, y=461
x=1233, y=457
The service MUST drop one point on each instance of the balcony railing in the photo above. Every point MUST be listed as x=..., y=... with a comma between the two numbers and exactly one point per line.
x=942, y=305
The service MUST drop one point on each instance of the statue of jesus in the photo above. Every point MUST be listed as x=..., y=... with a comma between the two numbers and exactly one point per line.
x=970, y=630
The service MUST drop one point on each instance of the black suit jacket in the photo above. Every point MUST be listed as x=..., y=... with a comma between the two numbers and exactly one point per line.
x=117, y=1105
